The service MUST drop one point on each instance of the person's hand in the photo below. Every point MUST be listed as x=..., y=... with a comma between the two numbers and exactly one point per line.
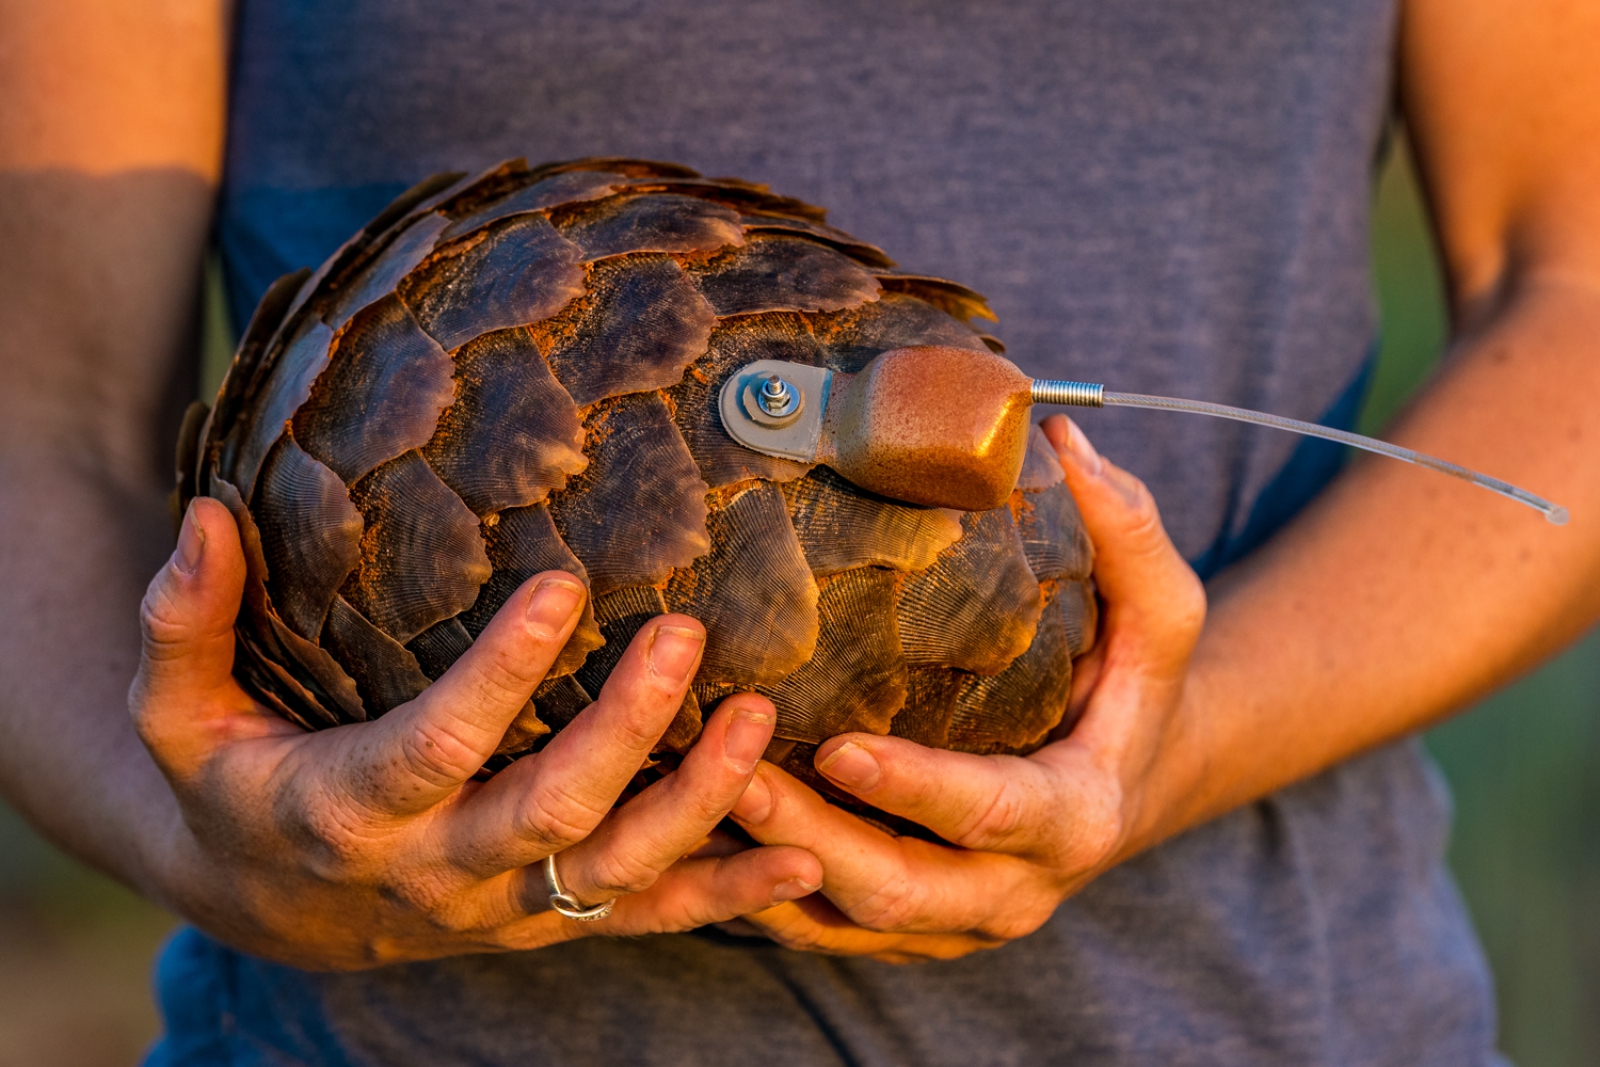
x=1030, y=831
x=371, y=844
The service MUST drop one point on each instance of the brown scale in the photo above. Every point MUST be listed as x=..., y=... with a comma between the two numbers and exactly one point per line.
x=511, y=273
x=640, y=324
x=231, y=413
x=523, y=542
x=931, y=704
x=1014, y=710
x=283, y=393
x=381, y=394
x=555, y=191
x=722, y=460
x=840, y=526
x=1053, y=536
x=422, y=559
x=784, y=274
x=379, y=277
x=513, y=433
x=753, y=591
x=271, y=683
x=747, y=197
x=386, y=673
x=953, y=298
x=978, y=605
x=852, y=338
x=821, y=232
x=310, y=534
x=639, y=509
x=312, y=669
x=1041, y=467
x=855, y=678
x=622, y=613
x=1080, y=614
x=661, y=223
x=559, y=700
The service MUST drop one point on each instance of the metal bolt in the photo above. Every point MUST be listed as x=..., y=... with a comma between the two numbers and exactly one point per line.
x=777, y=397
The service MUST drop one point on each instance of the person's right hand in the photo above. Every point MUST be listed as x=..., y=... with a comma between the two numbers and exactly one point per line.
x=370, y=844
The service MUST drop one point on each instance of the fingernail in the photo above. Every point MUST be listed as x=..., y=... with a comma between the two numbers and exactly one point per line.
x=1082, y=452
x=746, y=739
x=755, y=804
x=793, y=889
x=191, y=544
x=853, y=766
x=553, y=602
x=674, y=650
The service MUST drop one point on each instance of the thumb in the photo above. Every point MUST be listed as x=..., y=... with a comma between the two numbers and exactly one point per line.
x=1151, y=593
x=187, y=623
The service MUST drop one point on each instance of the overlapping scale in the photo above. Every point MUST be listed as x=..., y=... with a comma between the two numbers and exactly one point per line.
x=784, y=274
x=381, y=394
x=855, y=677
x=639, y=509
x=1014, y=710
x=439, y=646
x=511, y=273
x=1080, y=615
x=746, y=197
x=977, y=607
x=557, y=190
x=385, y=672
x=513, y=433
x=640, y=324
x=1053, y=536
x=822, y=233
x=422, y=559
x=852, y=338
x=310, y=534
x=399, y=257
x=932, y=695
x=752, y=590
x=663, y=223
x=953, y=298
x=282, y=394
x=841, y=527
x=1041, y=467
x=723, y=461
x=523, y=542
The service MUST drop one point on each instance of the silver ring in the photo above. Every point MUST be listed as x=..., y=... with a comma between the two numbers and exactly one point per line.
x=564, y=903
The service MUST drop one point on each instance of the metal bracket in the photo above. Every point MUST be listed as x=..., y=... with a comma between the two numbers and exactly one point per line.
x=797, y=433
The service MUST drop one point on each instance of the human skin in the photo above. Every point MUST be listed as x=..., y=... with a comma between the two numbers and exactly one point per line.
x=1393, y=600
x=344, y=849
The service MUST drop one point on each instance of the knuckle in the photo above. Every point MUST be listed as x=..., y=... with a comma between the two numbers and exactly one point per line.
x=893, y=906
x=1015, y=923
x=997, y=821
x=618, y=874
x=554, y=819
x=166, y=631
x=333, y=837
x=434, y=752
x=502, y=675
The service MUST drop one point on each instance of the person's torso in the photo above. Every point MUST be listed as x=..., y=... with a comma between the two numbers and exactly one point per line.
x=1169, y=196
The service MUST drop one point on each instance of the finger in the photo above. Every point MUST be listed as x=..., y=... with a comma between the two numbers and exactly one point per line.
x=421, y=752
x=186, y=659
x=652, y=831
x=813, y=924
x=553, y=799
x=989, y=803
x=1145, y=582
x=691, y=894
x=885, y=883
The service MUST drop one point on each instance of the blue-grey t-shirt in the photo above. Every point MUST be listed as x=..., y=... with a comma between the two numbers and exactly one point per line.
x=1167, y=195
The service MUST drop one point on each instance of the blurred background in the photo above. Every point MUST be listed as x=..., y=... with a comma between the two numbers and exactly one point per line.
x=76, y=949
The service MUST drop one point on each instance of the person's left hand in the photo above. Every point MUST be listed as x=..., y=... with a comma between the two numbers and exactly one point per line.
x=1029, y=832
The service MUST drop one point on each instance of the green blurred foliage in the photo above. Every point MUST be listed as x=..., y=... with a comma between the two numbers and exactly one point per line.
x=1523, y=763
x=75, y=948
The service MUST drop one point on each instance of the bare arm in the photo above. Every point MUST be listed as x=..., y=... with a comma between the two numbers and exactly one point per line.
x=110, y=147
x=349, y=847
x=1395, y=599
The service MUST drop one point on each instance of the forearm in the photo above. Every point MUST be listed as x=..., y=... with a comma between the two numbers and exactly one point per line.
x=1399, y=596
x=77, y=551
